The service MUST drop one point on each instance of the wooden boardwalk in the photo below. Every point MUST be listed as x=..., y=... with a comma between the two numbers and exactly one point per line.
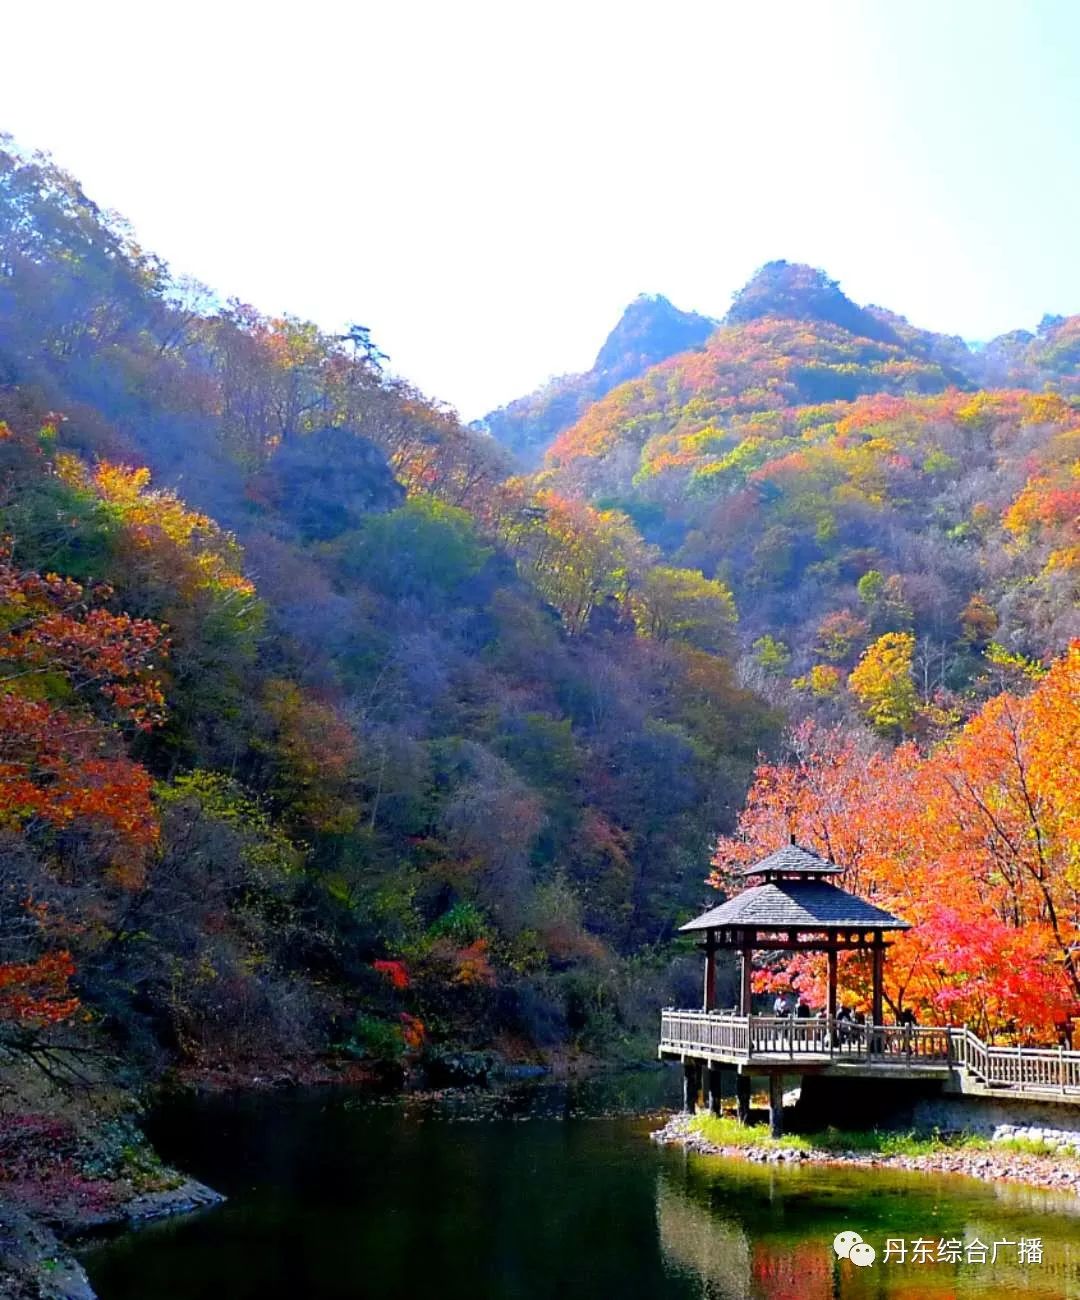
x=768, y=1045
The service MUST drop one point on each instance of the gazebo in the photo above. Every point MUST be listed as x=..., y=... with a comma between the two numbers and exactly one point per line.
x=795, y=907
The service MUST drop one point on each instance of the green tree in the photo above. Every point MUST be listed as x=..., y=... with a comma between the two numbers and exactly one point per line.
x=424, y=548
x=771, y=655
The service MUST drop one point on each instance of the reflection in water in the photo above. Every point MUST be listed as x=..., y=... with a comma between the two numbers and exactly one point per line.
x=541, y=1193
x=751, y=1232
x=696, y=1241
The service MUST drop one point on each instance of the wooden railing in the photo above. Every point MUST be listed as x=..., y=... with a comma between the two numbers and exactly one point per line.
x=687, y=1030
x=741, y=1038
x=1043, y=1069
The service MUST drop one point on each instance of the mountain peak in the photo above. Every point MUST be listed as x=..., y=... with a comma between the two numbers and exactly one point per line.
x=799, y=292
x=649, y=330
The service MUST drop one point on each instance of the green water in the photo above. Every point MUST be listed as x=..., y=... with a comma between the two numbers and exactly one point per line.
x=547, y=1193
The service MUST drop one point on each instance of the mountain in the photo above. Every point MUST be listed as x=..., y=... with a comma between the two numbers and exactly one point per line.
x=791, y=339
x=649, y=330
x=328, y=732
x=812, y=448
x=794, y=291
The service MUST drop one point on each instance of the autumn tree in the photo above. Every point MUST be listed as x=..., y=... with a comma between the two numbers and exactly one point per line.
x=311, y=758
x=71, y=674
x=840, y=634
x=978, y=620
x=684, y=605
x=882, y=683
x=975, y=844
x=575, y=555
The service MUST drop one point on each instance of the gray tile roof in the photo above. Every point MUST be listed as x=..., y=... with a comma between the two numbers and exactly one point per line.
x=790, y=859
x=796, y=905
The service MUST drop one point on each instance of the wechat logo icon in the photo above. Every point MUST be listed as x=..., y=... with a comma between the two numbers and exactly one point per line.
x=850, y=1245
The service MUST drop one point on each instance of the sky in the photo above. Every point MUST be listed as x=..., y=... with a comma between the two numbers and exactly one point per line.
x=487, y=185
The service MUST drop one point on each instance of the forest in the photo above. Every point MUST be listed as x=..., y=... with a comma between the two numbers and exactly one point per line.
x=324, y=732
x=336, y=728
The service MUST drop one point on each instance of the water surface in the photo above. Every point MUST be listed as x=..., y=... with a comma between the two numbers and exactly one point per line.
x=547, y=1192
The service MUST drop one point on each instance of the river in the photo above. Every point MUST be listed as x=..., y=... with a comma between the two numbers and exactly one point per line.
x=553, y=1193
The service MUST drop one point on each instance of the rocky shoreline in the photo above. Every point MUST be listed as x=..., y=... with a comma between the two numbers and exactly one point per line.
x=72, y=1173
x=68, y=1174
x=36, y=1262
x=1054, y=1172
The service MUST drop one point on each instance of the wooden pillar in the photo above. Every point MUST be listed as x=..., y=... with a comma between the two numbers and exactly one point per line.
x=742, y=1097
x=832, y=1006
x=744, y=986
x=716, y=1089
x=876, y=1011
x=709, y=1000
x=691, y=1085
x=776, y=1105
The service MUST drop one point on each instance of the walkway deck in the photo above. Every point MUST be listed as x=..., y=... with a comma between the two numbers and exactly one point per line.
x=964, y=1063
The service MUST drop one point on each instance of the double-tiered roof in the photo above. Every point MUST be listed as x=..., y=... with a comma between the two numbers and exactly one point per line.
x=795, y=908
x=794, y=895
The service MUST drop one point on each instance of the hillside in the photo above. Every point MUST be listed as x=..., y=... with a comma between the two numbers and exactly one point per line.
x=386, y=754
x=650, y=330
x=327, y=733
x=850, y=476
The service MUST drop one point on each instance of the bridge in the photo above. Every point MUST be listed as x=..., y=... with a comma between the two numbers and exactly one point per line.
x=775, y=1046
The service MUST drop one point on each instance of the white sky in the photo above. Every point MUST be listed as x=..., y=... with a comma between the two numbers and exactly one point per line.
x=487, y=185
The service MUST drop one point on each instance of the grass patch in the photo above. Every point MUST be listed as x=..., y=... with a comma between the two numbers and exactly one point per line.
x=882, y=1142
x=725, y=1132
x=1025, y=1146
x=922, y=1144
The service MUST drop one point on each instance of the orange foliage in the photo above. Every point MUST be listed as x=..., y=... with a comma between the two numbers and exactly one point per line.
x=413, y=1032
x=976, y=844
x=758, y=370
x=473, y=965
x=55, y=764
x=63, y=660
x=37, y=993
x=395, y=972
x=184, y=546
x=51, y=768
x=49, y=629
x=1046, y=513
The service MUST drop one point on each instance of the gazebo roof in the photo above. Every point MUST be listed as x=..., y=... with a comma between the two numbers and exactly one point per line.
x=796, y=905
x=792, y=861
